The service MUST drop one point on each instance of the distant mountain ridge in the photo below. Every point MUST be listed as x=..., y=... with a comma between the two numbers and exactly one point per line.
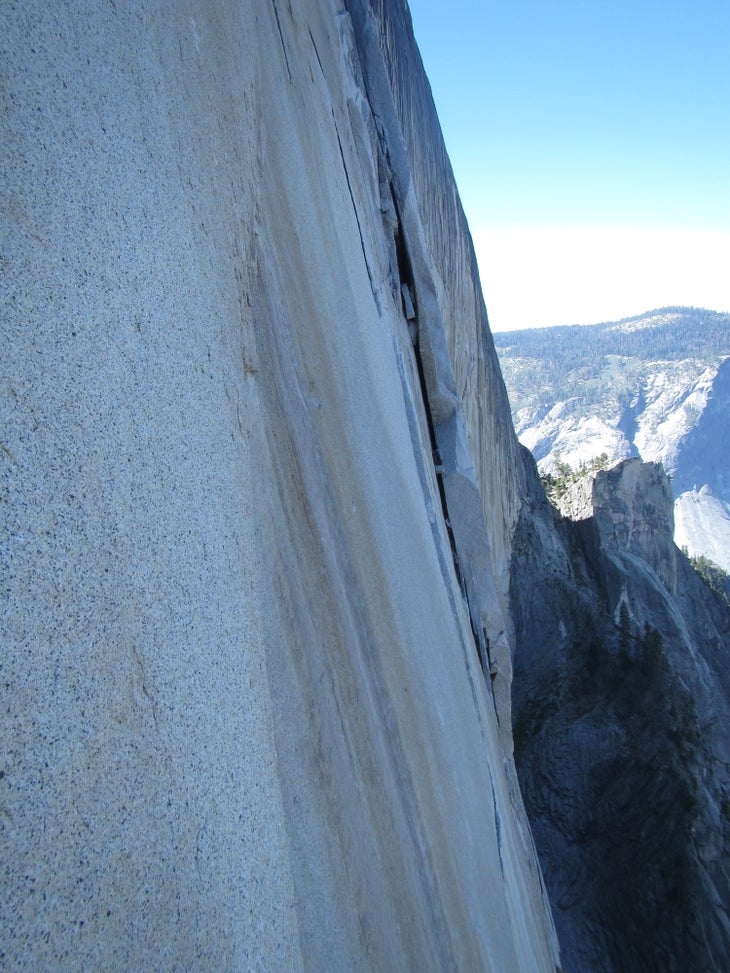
x=656, y=386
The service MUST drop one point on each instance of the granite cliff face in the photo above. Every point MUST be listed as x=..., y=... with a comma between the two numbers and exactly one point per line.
x=259, y=484
x=269, y=543
x=621, y=705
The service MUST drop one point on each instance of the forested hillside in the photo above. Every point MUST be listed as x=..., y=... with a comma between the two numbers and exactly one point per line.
x=656, y=386
x=605, y=363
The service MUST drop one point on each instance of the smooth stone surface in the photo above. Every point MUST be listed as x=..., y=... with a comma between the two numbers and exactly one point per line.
x=244, y=721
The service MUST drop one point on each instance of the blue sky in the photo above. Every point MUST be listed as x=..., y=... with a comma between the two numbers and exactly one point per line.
x=591, y=146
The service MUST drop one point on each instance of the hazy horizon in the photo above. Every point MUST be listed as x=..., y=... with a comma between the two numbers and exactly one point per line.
x=590, y=148
x=646, y=315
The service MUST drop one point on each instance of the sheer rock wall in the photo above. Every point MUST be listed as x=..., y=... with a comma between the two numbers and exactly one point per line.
x=622, y=707
x=245, y=719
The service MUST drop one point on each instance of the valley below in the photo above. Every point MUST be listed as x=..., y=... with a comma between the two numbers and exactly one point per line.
x=656, y=386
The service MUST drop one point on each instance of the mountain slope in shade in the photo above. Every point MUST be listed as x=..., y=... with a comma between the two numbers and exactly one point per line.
x=656, y=386
x=621, y=697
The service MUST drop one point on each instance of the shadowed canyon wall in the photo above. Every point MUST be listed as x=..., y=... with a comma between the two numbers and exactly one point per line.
x=622, y=717
x=259, y=481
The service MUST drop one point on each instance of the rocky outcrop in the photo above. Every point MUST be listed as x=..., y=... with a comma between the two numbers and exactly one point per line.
x=260, y=484
x=634, y=516
x=656, y=387
x=621, y=707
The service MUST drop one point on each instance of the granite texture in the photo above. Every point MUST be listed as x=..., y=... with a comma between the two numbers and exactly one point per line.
x=245, y=721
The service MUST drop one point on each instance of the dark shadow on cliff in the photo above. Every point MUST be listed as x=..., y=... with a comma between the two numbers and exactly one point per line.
x=620, y=705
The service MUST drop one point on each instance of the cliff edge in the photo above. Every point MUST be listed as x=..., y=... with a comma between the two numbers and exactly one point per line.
x=621, y=707
x=259, y=485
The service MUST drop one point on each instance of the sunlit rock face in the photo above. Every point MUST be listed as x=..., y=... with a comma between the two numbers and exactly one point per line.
x=702, y=484
x=634, y=516
x=655, y=387
x=259, y=484
x=622, y=708
x=702, y=525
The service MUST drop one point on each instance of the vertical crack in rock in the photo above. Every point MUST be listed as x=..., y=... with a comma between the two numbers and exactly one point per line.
x=316, y=52
x=296, y=454
x=479, y=634
x=406, y=291
x=354, y=209
x=406, y=288
x=424, y=310
x=281, y=38
x=413, y=425
x=497, y=825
